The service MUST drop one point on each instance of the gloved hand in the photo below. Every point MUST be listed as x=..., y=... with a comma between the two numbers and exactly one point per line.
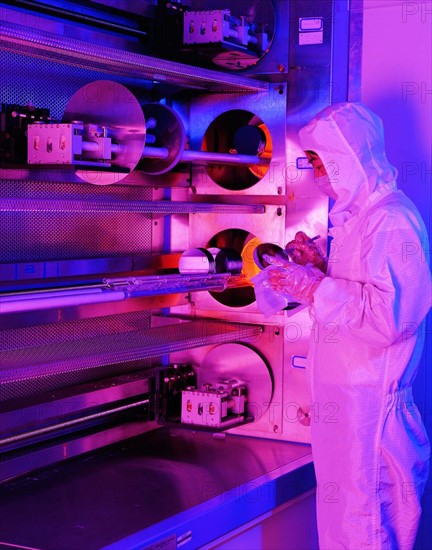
x=297, y=281
x=303, y=251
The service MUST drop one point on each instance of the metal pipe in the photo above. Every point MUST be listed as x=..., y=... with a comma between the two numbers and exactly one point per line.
x=48, y=294
x=221, y=158
x=91, y=146
x=70, y=423
x=205, y=156
x=155, y=153
x=70, y=299
x=115, y=290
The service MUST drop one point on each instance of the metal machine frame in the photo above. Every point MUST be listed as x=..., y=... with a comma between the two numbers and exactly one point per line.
x=96, y=319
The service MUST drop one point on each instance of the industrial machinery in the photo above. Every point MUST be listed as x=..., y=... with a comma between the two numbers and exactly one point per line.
x=146, y=150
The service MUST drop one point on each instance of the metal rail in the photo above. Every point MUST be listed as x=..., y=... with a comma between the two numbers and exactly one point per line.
x=70, y=423
x=206, y=157
x=45, y=45
x=23, y=204
x=115, y=290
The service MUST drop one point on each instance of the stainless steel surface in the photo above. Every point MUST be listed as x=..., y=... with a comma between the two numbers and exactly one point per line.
x=155, y=153
x=217, y=120
x=267, y=356
x=51, y=454
x=240, y=33
x=200, y=157
x=104, y=128
x=196, y=260
x=39, y=409
x=22, y=367
x=157, y=484
x=112, y=106
x=67, y=230
x=56, y=219
x=70, y=423
x=236, y=231
x=24, y=204
x=241, y=363
x=57, y=299
x=181, y=486
x=34, y=330
x=168, y=132
x=48, y=45
x=118, y=23
x=12, y=273
x=355, y=50
x=208, y=157
x=117, y=290
x=269, y=249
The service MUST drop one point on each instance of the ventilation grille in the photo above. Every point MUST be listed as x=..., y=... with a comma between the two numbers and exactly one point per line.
x=57, y=361
x=57, y=235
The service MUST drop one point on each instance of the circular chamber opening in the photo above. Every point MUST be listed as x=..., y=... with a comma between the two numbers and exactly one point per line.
x=238, y=132
x=165, y=135
x=244, y=243
x=233, y=35
x=106, y=109
x=240, y=363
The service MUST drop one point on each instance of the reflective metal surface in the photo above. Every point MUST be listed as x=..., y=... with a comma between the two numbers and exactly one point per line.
x=17, y=417
x=355, y=50
x=119, y=289
x=268, y=349
x=82, y=54
x=167, y=131
x=162, y=483
x=244, y=153
x=20, y=368
x=234, y=36
x=269, y=249
x=236, y=231
x=112, y=106
x=238, y=131
x=241, y=363
x=218, y=125
x=46, y=455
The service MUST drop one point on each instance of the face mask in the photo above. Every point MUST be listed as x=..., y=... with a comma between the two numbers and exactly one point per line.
x=324, y=185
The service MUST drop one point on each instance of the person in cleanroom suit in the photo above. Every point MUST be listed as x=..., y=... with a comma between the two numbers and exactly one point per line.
x=368, y=307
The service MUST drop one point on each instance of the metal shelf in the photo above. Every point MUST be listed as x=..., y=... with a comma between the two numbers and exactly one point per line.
x=145, y=207
x=27, y=364
x=61, y=49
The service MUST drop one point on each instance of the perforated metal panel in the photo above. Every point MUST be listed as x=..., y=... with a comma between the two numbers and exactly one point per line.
x=57, y=235
x=35, y=236
x=60, y=336
x=42, y=83
x=58, y=359
x=100, y=58
x=78, y=233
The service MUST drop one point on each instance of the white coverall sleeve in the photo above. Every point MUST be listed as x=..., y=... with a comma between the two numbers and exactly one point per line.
x=392, y=295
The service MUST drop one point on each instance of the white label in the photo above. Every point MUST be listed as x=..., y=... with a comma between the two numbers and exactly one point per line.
x=310, y=24
x=310, y=38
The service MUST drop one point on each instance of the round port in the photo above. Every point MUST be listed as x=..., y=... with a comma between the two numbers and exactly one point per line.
x=243, y=242
x=238, y=132
x=233, y=35
x=244, y=367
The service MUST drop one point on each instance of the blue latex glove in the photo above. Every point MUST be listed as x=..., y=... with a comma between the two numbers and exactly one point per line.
x=297, y=281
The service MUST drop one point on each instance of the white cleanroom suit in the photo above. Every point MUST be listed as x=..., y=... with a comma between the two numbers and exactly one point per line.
x=369, y=445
